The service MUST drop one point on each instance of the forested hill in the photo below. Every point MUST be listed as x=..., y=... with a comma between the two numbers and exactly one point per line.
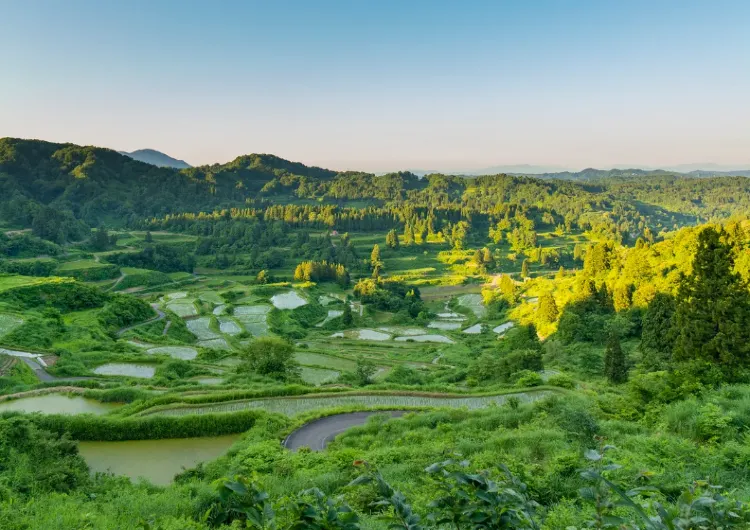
x=64, y=186
x=156, y=158
x=100, y=185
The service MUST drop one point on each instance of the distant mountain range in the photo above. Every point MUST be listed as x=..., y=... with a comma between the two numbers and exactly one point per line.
x=159, y=159
x=156, y=158
x=546, y=172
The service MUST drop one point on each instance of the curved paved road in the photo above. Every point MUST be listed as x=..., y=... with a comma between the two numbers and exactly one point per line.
x=319, y=433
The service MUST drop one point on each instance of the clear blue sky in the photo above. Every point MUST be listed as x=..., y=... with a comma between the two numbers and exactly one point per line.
x=383, y=84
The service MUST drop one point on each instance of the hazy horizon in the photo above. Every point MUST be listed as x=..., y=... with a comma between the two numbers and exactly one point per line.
x=386, y=86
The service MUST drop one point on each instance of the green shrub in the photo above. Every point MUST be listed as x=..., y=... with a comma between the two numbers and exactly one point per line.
x=561, y=380
x=527, y=378
x=123, y=310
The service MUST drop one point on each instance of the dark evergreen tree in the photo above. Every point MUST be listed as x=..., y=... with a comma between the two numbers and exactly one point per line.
x=657, y=337
x=347, y=318
x=615, y=365
x=713, y=311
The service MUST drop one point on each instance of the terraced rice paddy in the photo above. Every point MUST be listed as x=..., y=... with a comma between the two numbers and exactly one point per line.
x=327, y=361
x=155, y=460
x=502, y=328
x=408, y=332
x=288, y=300
x=139, y=344
x=426, y=338
x=220, y=309
x=209, y=380
x=450, y=315
x=300, y=405
x=444, y=324
x=325, y=300
x=214, y=344
x=229, y=326
x=200, y=327
x=211, y=296
x=175, y=296
x=332, y=313
x=362, y=334
x=8, y=323
x=474, y=303
x=253, y=318
x=177, y=352
x=144, y=371
x=473, y=330
x=57, y=404
x=318, y=376
x=183, y=307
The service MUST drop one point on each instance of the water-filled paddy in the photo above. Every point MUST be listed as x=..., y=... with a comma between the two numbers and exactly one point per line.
x=476, y=328
x=362, y=334
x=288, y=300
x=183, y=308
x=502, y=328
x=200, y=327
x=474, y=303
x=177, y=352
x=155, y=460
x=214, y=344
x=444, y=324
x=229, y=326
x=426, y=338
x=126, y=369
x=57, y=404
x=253, y=318
x=332, y=313
x=294, y=406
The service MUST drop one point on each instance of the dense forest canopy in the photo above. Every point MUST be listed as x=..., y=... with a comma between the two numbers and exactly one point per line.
x=55, y=187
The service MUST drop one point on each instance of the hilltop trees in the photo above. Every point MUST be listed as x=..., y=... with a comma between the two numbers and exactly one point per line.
x=713, y=311
x=321, y=271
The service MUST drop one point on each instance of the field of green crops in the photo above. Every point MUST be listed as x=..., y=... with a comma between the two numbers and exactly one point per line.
x=299, y=405
x=318, y=376
x=327, y=361
x=79, y=264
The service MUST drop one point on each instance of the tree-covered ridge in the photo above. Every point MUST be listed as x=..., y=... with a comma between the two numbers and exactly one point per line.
x=102, y=187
